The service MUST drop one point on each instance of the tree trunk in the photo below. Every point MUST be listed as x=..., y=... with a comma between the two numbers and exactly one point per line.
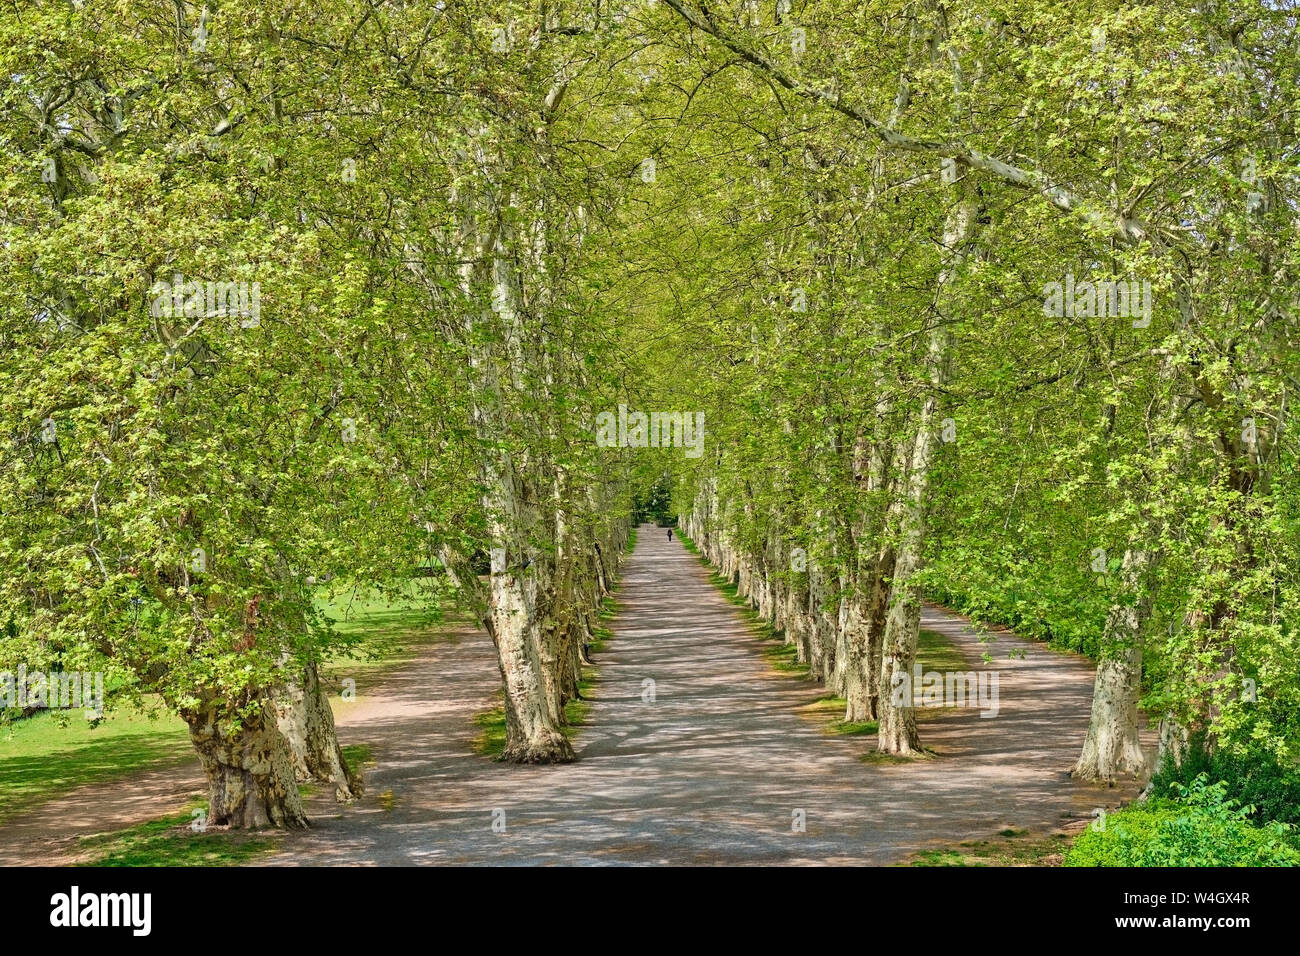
x=1112, y=747
x=305, y=718
x=866, y=620
x=249, y=767
x=859, y=688
x=1174, y=741
x=839, y=678
x=823, y=625
x=518, y=596
x=898, y=734
x=532, y=730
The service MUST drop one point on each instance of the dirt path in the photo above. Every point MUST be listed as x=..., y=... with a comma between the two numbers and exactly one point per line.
x=49, y=834
x=711, y=772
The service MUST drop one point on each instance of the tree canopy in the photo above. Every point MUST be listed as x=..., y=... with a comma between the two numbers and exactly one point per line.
x=986, y=303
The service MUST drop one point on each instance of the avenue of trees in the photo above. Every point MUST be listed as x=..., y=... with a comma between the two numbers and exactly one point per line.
x=870, y=241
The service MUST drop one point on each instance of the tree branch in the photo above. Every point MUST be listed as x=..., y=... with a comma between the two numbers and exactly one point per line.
x=1124, y=228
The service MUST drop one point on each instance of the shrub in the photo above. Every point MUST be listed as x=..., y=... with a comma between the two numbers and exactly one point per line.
x=1201, y=827
x=1256, y=780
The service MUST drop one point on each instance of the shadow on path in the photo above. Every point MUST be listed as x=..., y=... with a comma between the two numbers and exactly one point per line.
x=711, y=772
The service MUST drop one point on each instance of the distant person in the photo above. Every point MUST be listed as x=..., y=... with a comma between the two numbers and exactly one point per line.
x=670, y=534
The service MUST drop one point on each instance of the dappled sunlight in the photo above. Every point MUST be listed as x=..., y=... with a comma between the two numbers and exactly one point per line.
x=714, y=768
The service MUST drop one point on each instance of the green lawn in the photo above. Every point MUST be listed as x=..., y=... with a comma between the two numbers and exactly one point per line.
x=385, y=630
x=54, y=752
x=170, y=841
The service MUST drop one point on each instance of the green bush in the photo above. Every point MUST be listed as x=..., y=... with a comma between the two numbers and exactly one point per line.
x=1037, y=601
x=1202, y=827
x=1255, y=780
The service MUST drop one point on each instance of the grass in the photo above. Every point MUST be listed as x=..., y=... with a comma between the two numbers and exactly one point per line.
x=384, y=629
x=357, y=755
x=51, y=753
x=1010, y=848
x=875, y=757
x=934, y=652
x=782, y=657
x=491, y=741
x=852, y=728
x=576, y=711
x=829, y=709
x=170, y=841
x=601, y=633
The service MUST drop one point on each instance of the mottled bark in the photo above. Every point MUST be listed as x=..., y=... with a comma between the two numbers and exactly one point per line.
x=532, y=728
x=248, y=766
x=898, y=733
x=1174, y=741
x=822, y=638
x=1112, y=747
x=305, y=718
x=859, y=687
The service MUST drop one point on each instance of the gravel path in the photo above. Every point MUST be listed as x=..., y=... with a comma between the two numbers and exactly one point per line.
x=714, y=771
